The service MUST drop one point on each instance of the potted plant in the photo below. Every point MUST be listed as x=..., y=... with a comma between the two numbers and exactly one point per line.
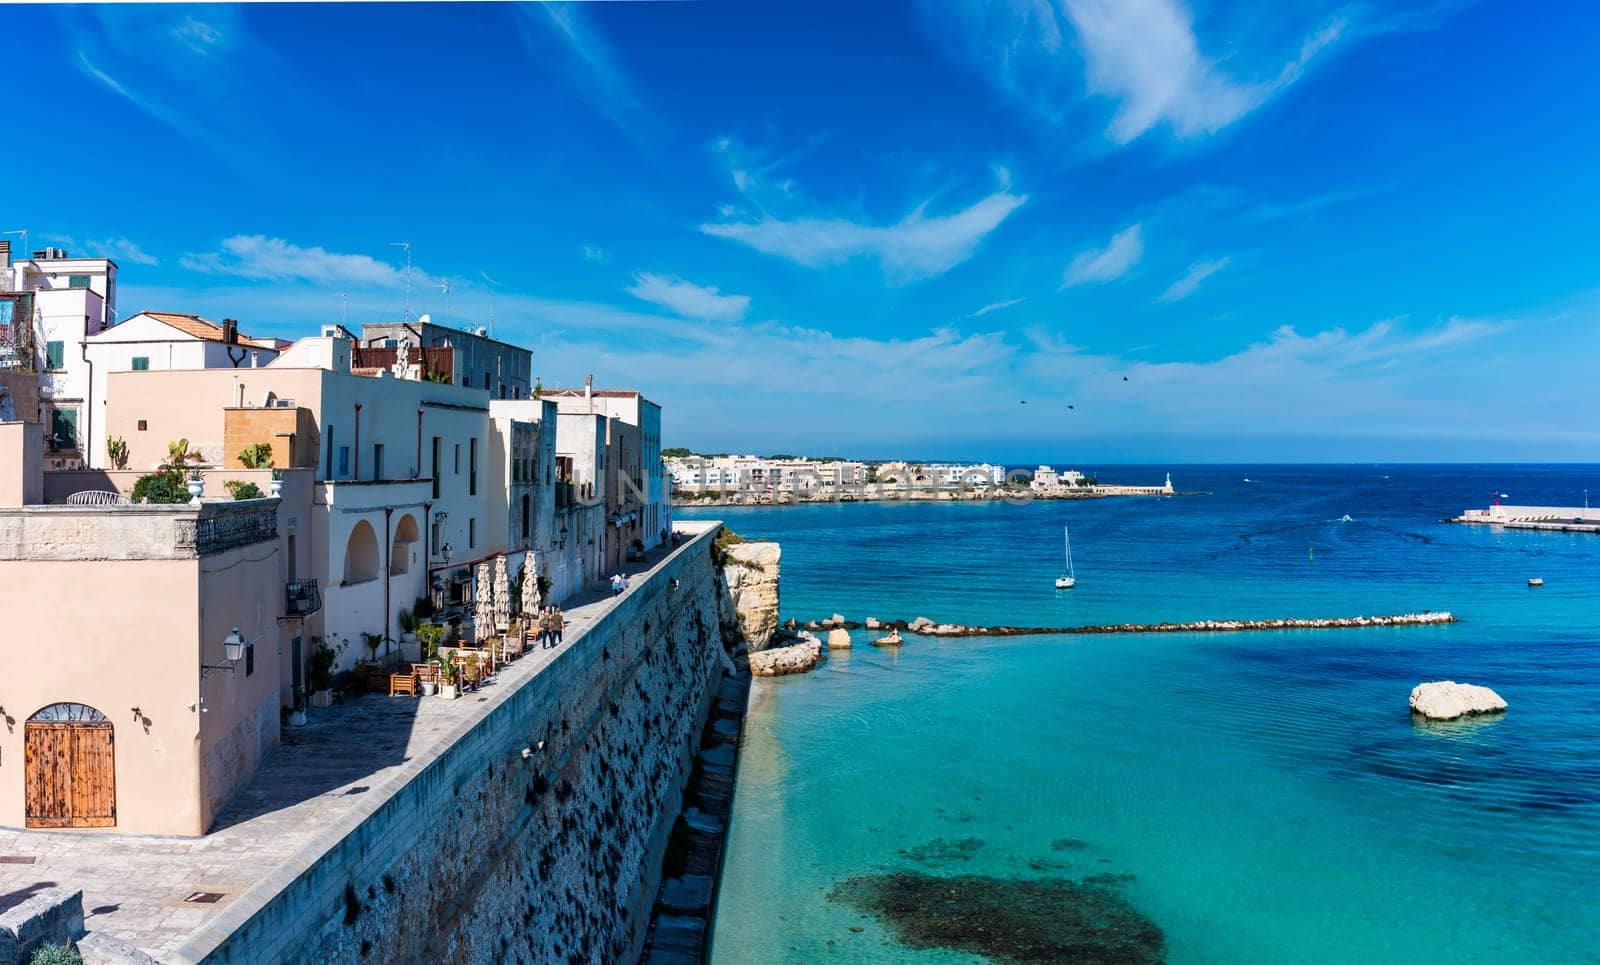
x=410, y=652
x=275, y=486
x=323, y=658
x=197, y=486
x=449, y=671
x=297, y=714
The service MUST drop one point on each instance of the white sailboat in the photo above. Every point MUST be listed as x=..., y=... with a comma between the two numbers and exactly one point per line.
x=1066, y=580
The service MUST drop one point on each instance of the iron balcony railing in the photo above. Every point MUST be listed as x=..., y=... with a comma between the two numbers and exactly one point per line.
x=302, y=598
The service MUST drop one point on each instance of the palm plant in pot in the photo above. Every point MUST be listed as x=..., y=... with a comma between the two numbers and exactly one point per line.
x=449, y=673
x=372, y=641
x=410, y=651
x=429, y=635
x=323, y=658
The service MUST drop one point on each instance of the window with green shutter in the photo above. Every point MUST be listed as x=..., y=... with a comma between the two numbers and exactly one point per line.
x=55, y=356
x=141, y=363
x=77, y=281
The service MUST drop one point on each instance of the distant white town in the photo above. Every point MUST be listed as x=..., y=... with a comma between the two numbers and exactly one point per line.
x=779, y=480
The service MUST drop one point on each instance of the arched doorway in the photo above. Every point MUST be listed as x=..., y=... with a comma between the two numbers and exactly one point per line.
x=71, y=768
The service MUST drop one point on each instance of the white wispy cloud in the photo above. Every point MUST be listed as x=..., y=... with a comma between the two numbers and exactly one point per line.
x=1385, y=380
x=688, y=299
x=1191, y=280
x=584, y=61
x=1113, y=261
x=1143, y=55
x=122, y=250
x=592, y=252
x=260, y=257
x=917, y=246
x=995, y=307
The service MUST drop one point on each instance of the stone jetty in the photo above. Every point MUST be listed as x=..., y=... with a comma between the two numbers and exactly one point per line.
x=923, y=626
x=797, y=658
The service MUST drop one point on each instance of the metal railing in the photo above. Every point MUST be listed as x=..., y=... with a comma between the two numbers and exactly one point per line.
x=301, y=598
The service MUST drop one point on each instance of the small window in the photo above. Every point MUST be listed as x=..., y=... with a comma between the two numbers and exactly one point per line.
x=472, y=474
x=458, y=459
x=141, y=363
x=486, y=380
x=344, y=460
x=377, y=461
x=249, y=659
x=77, y=281
x=144, y=425
x=54, y=355
x=472, y=533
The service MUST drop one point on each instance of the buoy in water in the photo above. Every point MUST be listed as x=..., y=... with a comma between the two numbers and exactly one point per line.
x=1536, y=581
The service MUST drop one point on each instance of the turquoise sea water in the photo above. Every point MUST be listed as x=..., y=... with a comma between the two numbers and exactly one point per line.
x=1269, y=793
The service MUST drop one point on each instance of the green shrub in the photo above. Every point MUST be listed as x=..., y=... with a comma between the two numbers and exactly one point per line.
x=244, y=490
x=162, y=486
x=55, y=955
x=258, y=456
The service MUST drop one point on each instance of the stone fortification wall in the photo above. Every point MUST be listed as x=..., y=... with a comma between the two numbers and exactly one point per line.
x=533, y=835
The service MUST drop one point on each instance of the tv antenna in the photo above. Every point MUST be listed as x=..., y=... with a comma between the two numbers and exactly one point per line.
x=407, y=246
x=24, y=233
x=444, y=287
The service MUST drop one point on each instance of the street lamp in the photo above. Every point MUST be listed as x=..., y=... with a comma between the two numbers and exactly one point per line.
x=446, y=551
x=232, y=650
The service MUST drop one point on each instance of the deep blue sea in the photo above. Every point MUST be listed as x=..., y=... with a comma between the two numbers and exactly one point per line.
x=1268, y=793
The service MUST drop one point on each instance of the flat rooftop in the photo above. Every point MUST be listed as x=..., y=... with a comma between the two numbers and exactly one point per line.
x=349, y=755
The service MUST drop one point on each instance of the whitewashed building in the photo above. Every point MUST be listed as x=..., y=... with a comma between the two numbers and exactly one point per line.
x=159, y=341
x=53, y=303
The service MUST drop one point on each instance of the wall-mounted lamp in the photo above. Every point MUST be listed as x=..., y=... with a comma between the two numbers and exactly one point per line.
x=232, y=650
x=446, y=551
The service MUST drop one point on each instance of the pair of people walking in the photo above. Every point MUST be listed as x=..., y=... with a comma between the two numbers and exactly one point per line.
x=551, y=624
x=619, y=582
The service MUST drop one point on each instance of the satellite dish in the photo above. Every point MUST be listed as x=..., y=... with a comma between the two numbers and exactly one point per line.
x=423, y=319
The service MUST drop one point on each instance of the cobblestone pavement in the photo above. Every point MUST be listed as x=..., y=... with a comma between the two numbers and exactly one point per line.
x=135, y=886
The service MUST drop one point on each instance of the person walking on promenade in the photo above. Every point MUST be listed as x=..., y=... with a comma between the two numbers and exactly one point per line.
x=616, y=584
x=558, y=623
x=544, y=629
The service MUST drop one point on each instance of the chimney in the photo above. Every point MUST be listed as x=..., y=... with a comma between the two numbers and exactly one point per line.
x=230, y=331
x=588, y=387
x=5, y=254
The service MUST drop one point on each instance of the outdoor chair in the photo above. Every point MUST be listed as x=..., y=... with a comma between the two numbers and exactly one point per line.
x=403, y=683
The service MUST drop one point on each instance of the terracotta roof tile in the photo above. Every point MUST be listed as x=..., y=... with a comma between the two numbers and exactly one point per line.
x=207, y=330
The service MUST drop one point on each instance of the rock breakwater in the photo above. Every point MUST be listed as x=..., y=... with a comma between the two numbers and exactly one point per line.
x=923, y=626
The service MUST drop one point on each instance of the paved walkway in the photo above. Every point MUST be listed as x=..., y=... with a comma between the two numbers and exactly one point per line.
x=135, y=886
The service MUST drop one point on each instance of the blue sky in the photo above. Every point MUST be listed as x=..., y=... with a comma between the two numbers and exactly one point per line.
x=1310, y=232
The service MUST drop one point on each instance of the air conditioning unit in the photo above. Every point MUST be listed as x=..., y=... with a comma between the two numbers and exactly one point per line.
x=282, y=404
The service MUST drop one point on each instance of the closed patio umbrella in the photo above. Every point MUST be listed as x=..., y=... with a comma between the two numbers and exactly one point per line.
x=502, y=594
x=484, y=610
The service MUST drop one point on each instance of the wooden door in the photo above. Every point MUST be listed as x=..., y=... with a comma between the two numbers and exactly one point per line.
x=71, y=775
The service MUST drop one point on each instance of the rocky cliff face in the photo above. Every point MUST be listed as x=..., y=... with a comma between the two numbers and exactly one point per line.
x=748, y=580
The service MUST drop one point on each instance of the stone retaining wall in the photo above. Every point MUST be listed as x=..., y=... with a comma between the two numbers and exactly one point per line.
x=482, y=854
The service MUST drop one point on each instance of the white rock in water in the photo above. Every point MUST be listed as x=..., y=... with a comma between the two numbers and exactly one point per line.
x=920, y=623
x=837, y=619
x=838, y=639
x=1447, y=700
x=873, y=623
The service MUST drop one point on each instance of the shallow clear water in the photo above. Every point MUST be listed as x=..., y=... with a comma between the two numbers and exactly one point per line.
x=1269, y=792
